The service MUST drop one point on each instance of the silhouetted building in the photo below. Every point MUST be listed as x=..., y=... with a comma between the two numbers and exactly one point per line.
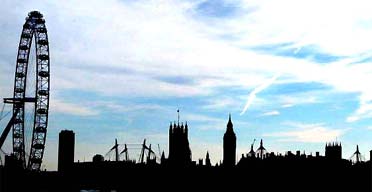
x=12, y=162
x=333, y=151
x=208, y=160
x=98, y=158
x=66, y=150
x=179, y=149
x=229, y=145
x=261, y=151
x=200, y=162
x=251, y=152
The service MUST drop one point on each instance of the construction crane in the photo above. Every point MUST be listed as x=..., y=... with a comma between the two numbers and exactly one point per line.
x=125, y=150
x=142, y=155
x=146, y=153
x=116, y=149
x=150, y=152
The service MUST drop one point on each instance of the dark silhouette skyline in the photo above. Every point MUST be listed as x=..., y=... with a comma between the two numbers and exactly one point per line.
x=297, y=170
x=261, y=169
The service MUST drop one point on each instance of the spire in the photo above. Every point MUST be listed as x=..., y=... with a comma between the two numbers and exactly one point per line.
x=229, y=125
x=207, y=160
x=261, y=143
x=261, y=151
x=162, y=155
x=162, y=159
x=230, y=122
x=358, y=156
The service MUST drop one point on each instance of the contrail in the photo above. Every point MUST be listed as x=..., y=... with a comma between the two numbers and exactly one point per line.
x=258, y=89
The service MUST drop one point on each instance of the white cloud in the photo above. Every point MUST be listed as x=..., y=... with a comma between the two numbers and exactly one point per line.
x=121, y=108
x=58, y=106
x=205, y=122
x=222, y=103
x=271, y=113
x=290, y=101
x=308, y=133
x=364, y=111
x=258, y=89
x=334, y=25
x=287, y=105
x=125, y=38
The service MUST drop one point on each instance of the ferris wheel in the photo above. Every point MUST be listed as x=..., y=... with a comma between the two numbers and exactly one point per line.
x=34, y=30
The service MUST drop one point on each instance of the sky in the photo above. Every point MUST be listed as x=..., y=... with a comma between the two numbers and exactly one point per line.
x=294, y=73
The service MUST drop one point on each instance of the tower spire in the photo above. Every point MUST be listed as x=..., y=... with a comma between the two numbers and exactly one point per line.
x=229, y=124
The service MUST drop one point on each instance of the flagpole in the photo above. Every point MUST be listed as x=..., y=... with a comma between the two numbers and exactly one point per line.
x=178, y=112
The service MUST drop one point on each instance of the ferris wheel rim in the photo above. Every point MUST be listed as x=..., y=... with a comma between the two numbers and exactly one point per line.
x=34, y=28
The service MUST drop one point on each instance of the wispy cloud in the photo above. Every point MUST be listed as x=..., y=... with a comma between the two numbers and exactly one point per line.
x=299, y=99
x=271, y=113
x=59, y=106
x=221, y=103
x=258, y=89
x=206, y=122
x=308, y=133
x=200, y=117
x=121, y=108
x=364, y=111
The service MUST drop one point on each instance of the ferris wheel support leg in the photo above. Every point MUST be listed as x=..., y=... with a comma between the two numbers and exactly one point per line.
x=7, y=130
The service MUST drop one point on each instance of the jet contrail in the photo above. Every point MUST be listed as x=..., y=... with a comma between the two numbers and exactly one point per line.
x=258, y=89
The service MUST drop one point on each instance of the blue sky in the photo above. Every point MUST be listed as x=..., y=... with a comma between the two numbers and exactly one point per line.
x=294, y=73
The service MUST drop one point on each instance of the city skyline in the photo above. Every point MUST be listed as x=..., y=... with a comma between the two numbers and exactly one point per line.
x=121, y=69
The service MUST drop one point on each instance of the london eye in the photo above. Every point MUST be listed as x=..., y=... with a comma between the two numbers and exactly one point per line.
x=34, y=30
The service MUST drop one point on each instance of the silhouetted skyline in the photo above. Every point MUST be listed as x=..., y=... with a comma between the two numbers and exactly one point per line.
x=121, y=69
x=297, y=170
